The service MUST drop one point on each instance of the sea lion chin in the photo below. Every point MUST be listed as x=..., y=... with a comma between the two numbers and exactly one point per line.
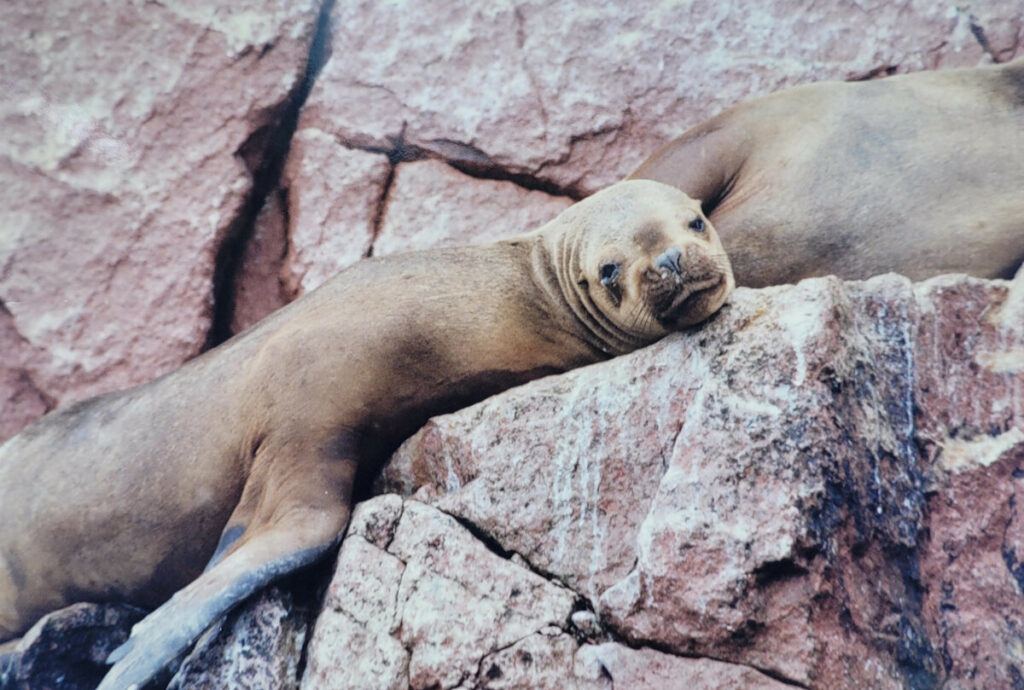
x=238, y=467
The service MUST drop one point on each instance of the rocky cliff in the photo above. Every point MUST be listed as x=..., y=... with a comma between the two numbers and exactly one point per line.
x=172, y=171
x=816, y=489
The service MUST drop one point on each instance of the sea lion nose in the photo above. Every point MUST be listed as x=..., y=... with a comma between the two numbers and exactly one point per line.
x=668, y=260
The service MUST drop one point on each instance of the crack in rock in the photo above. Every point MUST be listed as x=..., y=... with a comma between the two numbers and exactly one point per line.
x=264, y=154
x=608, y=631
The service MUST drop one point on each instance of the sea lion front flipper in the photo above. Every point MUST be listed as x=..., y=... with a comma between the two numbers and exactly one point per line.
x=299, y=516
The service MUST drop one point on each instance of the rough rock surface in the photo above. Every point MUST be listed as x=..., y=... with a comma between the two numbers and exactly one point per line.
x=66, y=649
x=131, y=137
x=818, y=488
x=821, y=484
x=258, y=646
x=563, y=99
x=151, y=154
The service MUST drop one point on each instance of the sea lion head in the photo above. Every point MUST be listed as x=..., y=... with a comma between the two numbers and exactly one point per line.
x=638, y=260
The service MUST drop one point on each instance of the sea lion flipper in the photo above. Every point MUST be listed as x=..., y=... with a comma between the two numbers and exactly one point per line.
x=703, y=163
x=294, y=526
x=166, y=634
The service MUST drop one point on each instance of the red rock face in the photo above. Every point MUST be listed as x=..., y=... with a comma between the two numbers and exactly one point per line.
x=131, y=134
x=809, y=486
x=818, y=488
x=135, y=149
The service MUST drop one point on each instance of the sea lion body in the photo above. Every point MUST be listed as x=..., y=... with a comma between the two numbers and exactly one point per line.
x=249, y=452
x=918, y=174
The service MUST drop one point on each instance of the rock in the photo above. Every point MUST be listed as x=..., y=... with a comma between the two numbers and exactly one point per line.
x=132, y=133
x=462, y=210
x=149, y=166
x=334, y=202
x=560, y=100
x=259, y=646
x=614, y=665
x=819, y=484
x=259, y=286
x=818, y=487
x=579, y=96
x=432, y=599
x=21, y=399
x=67, y=649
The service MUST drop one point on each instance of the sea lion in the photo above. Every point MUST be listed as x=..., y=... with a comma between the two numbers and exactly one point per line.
x=919, y=174
x=244, y=458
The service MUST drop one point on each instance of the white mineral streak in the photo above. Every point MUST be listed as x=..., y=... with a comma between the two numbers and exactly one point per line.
x=801, y=324
x=962, y=455
x=1009, y=359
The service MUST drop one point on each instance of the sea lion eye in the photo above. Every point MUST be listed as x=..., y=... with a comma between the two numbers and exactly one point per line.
x=609, y=272
x=697, y=224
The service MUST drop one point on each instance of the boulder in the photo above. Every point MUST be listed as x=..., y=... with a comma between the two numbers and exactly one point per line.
x=819, y=484
x=152, y=136
x=67, y=649
x=817, y=488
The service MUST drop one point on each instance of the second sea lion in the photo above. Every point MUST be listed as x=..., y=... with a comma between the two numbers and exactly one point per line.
x=918, y=174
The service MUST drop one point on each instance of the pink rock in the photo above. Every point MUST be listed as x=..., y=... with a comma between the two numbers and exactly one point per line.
x=761, y=490
x=559, y=99
x=258, y=646
x=579, y=97
x=433, y=205
x=355, y=642
x=21, y=399
x=970, y=432
x=432, y=599
x=120, y=175
x=258, y=287
x=613, y=665
x=417, y=601
x=335, y=197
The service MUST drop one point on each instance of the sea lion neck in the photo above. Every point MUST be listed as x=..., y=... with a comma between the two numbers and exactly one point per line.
x=555, y=264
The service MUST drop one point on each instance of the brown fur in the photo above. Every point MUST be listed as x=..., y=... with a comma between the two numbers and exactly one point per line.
x=918, y=174
x=256, y=444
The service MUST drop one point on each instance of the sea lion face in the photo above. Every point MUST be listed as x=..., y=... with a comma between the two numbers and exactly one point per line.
x=651, y=262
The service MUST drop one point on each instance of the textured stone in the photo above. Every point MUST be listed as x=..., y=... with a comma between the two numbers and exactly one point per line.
x=611, y=665
x=432, y=599
x=21, y=399
x=818, y=487
x=354, y=643
x=334, y=203
x=971, y=433
x=145, y=168
x=563, y=98
x=578, y=95
x=127, y=133
x=258, y=647
x=258, y=287
x=459, y=209
x=821, y=485
x=68, y=648
x=783, y=489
